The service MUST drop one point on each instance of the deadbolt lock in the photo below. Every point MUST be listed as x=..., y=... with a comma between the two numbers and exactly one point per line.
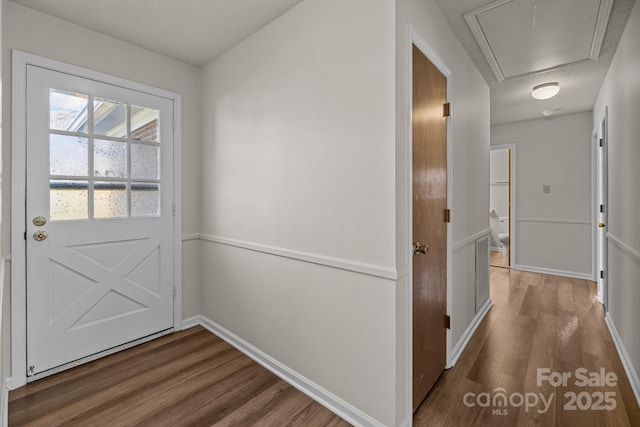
x=39, y=221
x=40, y=235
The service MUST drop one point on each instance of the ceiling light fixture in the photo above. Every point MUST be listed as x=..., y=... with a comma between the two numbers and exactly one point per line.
x=546, y=90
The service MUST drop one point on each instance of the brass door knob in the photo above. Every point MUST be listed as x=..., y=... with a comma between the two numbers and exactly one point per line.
x=420, y=249
x=601, y=225
x=39, y=235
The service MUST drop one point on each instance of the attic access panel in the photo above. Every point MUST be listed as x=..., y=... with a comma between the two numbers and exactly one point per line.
x=524, y=36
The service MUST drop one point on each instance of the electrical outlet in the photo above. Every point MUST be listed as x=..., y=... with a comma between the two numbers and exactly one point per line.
x=546, y=188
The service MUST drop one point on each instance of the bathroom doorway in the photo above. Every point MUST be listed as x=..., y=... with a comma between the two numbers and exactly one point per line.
x=501, y=205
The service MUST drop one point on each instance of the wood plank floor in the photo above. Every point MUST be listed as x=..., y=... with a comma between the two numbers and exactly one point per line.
x=538, y=321
x=497, y=260
x=192, y=378
x=189, y=378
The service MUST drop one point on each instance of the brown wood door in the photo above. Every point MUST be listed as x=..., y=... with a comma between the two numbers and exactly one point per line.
x=429, y=228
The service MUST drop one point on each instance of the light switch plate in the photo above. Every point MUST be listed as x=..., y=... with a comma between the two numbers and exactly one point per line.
x=546, y=188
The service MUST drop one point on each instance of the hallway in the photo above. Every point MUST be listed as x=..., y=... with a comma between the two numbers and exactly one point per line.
x=537, y=321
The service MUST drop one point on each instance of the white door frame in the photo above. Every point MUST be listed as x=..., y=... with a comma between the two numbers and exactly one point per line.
x=600, y=131
x=417, y=40
x=594, y=204
x=512, y=212
x=18, y=194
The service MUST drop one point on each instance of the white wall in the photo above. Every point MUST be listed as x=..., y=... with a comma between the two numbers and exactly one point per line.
x=43, y=35
x=4, y=297
x=304, y=188
x=298, y=157
x=554, y=229
x=469, y=96
x=621, y=93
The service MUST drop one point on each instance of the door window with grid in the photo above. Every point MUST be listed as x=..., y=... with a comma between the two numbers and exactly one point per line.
x=104, y=158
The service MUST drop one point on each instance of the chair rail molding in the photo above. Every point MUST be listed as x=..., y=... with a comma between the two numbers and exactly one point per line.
x=379, y=271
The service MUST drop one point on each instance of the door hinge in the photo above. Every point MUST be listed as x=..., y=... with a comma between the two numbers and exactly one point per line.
x=602, y=274
x=173, y=208
x=25, y=235
x=173, y=124
x=601, y=208
x=174, y=292
x=447, y=321
x=447, y=215
x=601, y=142
x=446, y=109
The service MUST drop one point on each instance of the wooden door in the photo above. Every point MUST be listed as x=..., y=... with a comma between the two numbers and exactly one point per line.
x=429, y=227
x=99, y=217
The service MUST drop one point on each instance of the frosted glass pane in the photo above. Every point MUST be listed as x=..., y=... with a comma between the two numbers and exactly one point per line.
x=110, y=158
x=145, y=161
x=68, y=111
x=145, y=199
x=68, y=200
x=109, y=199
x=144, y=124
x=68, y=155
x=109, y=118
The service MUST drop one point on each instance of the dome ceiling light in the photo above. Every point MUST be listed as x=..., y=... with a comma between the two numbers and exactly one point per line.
x=545, y=90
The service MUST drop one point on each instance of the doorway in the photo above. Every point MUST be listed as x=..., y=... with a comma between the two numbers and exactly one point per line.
x=95, y=270
x=601, y=208
x=501, y=205
x=429, y=201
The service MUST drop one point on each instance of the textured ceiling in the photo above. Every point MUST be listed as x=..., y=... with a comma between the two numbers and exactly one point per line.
x=196, y=31
x=192, y=31
x=580, y=82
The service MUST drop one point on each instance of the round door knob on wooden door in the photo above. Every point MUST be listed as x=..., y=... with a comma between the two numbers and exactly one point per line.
x=39, y=235
x=420, y=249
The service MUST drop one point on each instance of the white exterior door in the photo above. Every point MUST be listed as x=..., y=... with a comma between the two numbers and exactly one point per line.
x=99, y=217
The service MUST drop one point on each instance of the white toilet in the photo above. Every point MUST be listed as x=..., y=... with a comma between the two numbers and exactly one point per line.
x=498, y=233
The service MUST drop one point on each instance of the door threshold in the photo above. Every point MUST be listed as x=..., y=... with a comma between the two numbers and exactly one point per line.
x=96, y=356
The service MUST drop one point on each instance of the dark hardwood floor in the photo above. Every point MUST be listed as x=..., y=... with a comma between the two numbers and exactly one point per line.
x=192, y=378
x=189, y=378
x=538, y=321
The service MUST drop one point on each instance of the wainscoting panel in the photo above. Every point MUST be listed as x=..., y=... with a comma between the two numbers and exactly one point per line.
x=319, y=321
x=470, y=305
x=482, y=271
x=622, y=316
x=554, y=245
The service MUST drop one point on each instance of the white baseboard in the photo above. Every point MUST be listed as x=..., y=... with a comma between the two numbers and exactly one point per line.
x=191, y=322
x=308, y=387
x=4, y=403
x=468, y=333
x=573, y=274
x=408, y=421
x=624, y=357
